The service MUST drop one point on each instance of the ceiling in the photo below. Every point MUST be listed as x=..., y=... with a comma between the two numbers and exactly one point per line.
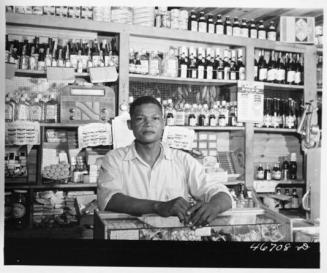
x=265, y=14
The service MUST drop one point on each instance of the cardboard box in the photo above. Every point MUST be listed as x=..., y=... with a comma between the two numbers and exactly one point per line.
x=295, y=29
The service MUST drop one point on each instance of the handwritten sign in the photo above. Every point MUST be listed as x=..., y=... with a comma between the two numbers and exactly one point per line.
x=94, y=134
x=178, y=137
x=250, y=101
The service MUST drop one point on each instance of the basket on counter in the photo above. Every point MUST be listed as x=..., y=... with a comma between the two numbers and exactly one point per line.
x=56, y=173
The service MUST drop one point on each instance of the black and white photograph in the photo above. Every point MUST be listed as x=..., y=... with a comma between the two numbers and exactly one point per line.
x=163, y=135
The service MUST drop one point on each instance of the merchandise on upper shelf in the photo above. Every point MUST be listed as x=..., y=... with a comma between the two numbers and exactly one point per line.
x=38, y=53
x=278, y=67
x=190, y=62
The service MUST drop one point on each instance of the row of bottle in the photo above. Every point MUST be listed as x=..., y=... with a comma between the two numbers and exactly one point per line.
x=278, y=67
x=249, y=29
x=285, y=171
x=293, y=203
x=194, y=63
x=40, y=53
x=15, y=164
x=221, y=113
x=42, y=108
x=280, y=113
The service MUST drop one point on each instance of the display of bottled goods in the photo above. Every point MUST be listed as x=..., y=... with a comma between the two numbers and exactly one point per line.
x=193, y=63
x=15, y=164
x=161, y=17
x=280, y=113
x=38, y=53
x=242, y=198
x=293, y=202
x=221, y=113
x=278, y=67
x=286, y=170
x=32, y=106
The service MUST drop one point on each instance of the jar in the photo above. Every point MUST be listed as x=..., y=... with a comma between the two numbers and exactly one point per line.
x=19, y=209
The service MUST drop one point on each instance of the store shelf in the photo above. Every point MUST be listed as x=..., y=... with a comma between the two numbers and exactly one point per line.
x=16, y=180
x=214, y=128
x=161, y=79
x=287, y=182
x=52, y=186
x=283, y=86
x=67, y=124
x=42, y=74
x=274, y=130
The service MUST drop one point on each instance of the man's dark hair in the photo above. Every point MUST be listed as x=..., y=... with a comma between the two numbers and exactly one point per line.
x=143, y=100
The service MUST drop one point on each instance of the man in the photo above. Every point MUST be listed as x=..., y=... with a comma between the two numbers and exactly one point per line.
x=148, y=177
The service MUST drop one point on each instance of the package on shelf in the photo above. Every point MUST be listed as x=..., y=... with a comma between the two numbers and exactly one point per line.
x=22, y=133
x=296, y=29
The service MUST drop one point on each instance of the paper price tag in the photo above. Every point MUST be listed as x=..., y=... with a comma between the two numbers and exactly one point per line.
x=204, y=231
x=130, y=234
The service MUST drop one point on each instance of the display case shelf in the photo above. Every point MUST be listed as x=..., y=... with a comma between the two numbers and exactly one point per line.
x=274, y=130
x=52, y=186
x=42, y=74
x=214, y=128
x=278, y=86
x=161, y=79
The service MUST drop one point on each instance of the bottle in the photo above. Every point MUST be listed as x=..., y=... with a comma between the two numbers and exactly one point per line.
x=24, y=59
x=170, y=119
x=220, y=70
x=236, y=28
x=154, y=64
x=267, y=112
x=201, y=63
x=267, y=172
x=276, y=172
x=144, y=59
x=275, y=118
x=187, y=112
x=216, y=64
x=295, y=200
x=193, y=21
x=60, y=59
x=244, y=29
x=41, y=61
x=7, y=48
x=79, y=68
x=213, y=116
x=272, y=71
x=22, y=109
x=19, y=209
x=226, y=64
x=9, y=108
x=115, y=52
x=51, y=109
x=262, y=31
x=253, y=31
x=171, y=64
x=228, y=29
x=298, y=71
x=289, y=118
x=193, y=69
x=293, y=167
x=219, y=26
x=183, y=63
x=192, y=118
x=48, y=58
x=285, y=169
x=202, y=27
x=209, y=65
x=240, y=66
x=233, y=68
x=210, y=24
x=288, y=203
x=260, y=172
x=290, y=67
x=262, y=67
x=35, y=110
x=281, y=71
x=223, y=114
x=256, y=71
x=32, y=61
x=179, y=113
x=272, y=33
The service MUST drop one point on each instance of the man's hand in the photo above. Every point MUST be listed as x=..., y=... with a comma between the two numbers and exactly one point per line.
x=202, y=214
x=175, y=207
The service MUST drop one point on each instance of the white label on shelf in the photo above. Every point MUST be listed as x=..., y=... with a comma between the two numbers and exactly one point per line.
x=131, y=234
x=204, y=231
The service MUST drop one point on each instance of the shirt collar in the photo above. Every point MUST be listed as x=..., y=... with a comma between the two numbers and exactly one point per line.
x=132, y=154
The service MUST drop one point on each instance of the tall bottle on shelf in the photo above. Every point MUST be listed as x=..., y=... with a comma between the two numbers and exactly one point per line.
x=51, y=109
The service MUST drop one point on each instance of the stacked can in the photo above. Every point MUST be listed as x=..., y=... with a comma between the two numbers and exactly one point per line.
x=102, y=13
x=144, y=16
x=174, y=18
x=165, y=17
x=183, y=20
x=122, y=15
x=74, y=12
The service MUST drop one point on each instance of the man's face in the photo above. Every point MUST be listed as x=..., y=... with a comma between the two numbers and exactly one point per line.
x=147, y=123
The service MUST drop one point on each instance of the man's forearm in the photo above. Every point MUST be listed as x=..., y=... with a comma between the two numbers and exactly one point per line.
x=130, y=205
x=221, y=200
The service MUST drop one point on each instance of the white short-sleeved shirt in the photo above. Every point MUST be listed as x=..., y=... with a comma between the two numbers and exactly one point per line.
x=174, y=174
